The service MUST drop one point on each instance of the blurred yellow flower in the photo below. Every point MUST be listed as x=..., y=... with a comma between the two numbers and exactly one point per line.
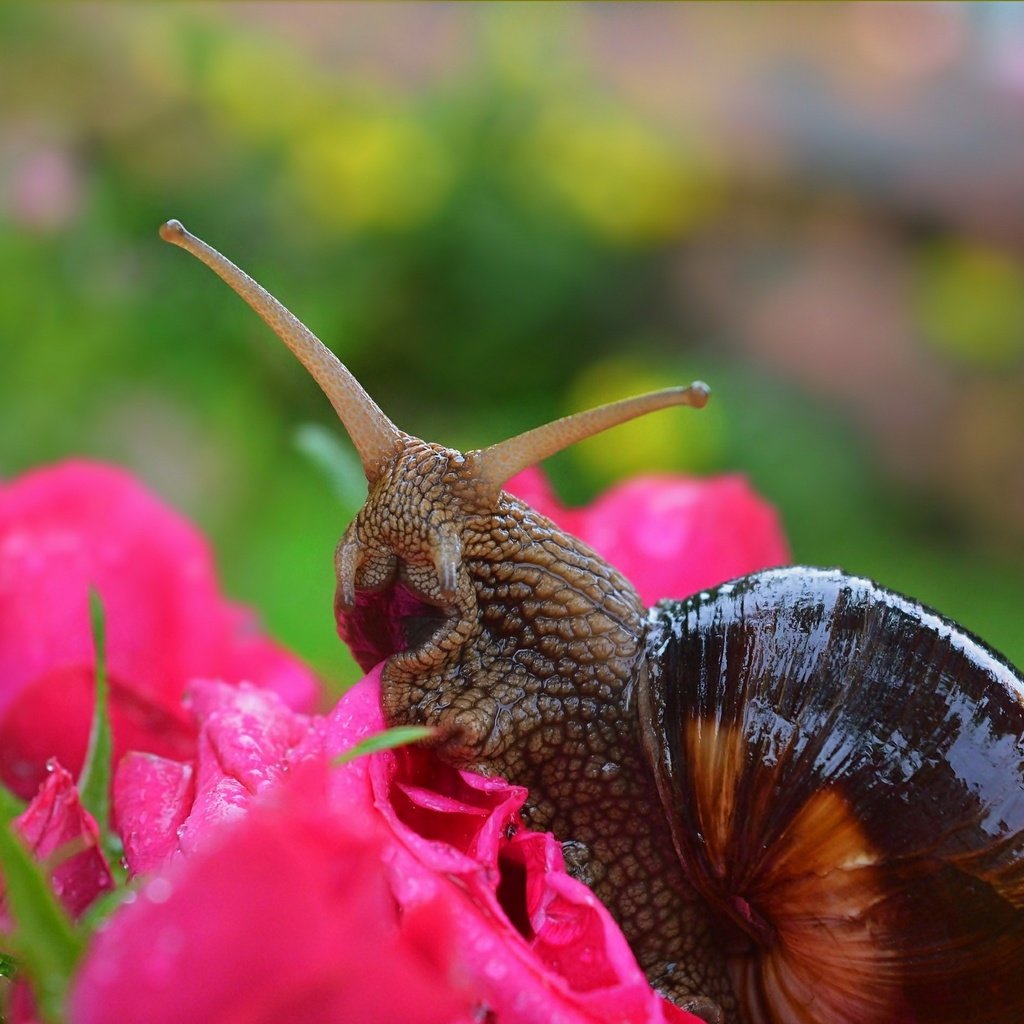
x=970, y=302
x=263, y=92
x=532, y=46
x=626, y=180
x=355, y=156
x=371, y=170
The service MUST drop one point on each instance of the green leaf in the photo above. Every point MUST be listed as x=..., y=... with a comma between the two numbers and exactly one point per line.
x=337, y=461
x=386, y=740
x=94, y=782
x=48, y=946
x=8, y=966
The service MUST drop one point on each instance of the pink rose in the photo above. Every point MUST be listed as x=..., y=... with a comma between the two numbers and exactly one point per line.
x=249, y=742
x=517, y=936
x=537, y=944
x=78, y=525
x=286, y=916
x=670, y=536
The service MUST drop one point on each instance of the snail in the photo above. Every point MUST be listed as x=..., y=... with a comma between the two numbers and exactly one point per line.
x=800, y=794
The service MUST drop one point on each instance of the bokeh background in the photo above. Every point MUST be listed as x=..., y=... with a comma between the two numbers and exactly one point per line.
x=497, y=214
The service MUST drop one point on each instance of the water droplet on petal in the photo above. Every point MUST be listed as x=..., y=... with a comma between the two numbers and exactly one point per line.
x=495, y=970
x=159, y=890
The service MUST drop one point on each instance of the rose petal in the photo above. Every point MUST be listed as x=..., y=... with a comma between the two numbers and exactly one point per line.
x=56, y=827
x=249, y=740
x=286, y=915
x=673, y=537
x=49, y=719
x=536, y=944
x=532, y=944
x=153, y=796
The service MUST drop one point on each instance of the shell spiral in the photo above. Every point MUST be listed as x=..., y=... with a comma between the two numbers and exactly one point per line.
x=843, y=774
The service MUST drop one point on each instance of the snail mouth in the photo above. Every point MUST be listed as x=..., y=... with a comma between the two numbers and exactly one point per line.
x=390, y=621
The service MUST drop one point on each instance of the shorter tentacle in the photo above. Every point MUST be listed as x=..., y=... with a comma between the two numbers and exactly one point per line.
x=500, y=462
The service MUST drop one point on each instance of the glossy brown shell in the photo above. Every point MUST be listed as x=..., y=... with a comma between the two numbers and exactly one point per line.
x=843, y=772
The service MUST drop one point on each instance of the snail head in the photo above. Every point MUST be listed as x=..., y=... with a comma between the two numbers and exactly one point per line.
x=403, y=566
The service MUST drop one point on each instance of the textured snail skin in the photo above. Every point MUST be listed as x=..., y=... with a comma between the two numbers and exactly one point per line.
x=532, y=677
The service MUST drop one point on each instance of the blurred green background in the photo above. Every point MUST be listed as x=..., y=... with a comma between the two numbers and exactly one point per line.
x=497, y=214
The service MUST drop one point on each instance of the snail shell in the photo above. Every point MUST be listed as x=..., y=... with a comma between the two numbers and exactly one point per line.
x=843, y=774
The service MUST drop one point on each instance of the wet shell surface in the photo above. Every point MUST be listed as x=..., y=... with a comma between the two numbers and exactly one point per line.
x=843, y=772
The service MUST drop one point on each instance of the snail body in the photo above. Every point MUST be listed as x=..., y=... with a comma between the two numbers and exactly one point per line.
x=801, y=795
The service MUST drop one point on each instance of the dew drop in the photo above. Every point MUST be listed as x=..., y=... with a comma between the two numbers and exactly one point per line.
x=495, y=970
x=159, y=890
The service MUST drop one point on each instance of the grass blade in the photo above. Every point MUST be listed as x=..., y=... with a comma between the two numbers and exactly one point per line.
x=8, y=966
x=386, y=740
x=94, y=782
x=45, y=940
x=337, y=462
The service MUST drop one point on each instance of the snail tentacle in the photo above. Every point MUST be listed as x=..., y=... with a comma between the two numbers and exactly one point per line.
x=375, y=437
x=500, y=462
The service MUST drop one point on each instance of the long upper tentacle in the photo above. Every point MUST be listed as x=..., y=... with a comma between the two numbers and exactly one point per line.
x=375, y=437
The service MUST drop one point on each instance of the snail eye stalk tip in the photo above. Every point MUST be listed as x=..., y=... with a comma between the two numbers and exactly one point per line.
x=700, y=393
x=173, y=231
